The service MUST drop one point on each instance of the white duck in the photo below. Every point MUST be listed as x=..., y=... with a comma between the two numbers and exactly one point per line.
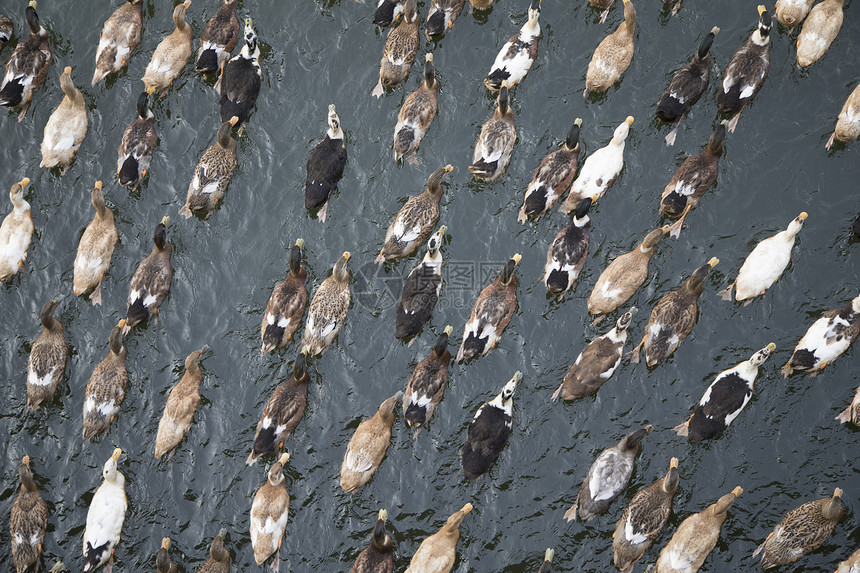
x=765, y=264
x=516, y=57
x=66, y=128
x=600, y=169
x=15, y=233
x=105, y=517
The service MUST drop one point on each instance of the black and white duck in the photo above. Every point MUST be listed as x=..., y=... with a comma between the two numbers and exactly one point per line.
x=488, y=433
x=427, y=385
x=286, y=306
x=105, y=517
x=378, y=557
x=552, y=177
x=325, y=167
x=568, y=252
x=420, y=291
x=826, y=340
x=442, y=15
x=219, y=38
x=28, y=66
x=241, y=79
x=387, y=12
x=137, y=144
x=150, y=283
x=516, y=57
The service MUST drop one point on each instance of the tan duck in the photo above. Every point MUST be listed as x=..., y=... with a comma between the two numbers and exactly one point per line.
x=283, y=411
x=7, y=28
x=852, y=412
x=162, y=560
x=286, y=306
x=495, y=145
x=95, y=249
x=28, y=521
x=696, y=537
x=818, y=32
x=850, y=565
x=643, y=519
x=48, y=355
x=552, y=177
x=414, y=221
x=219, y=557
x=328, y=308
x=400, y=49
x=180, y=407
x=105, y=517
x=367, y=446
x=442, y=15
x=613, y=55
x=492, y=313
x=16, y=231
x=673, y=318
x=597, y=362
x=170, y=55
x=378, y=557
x=150, y=284
x=137, y=144
x=801, y=531
x=269, y=512
x=427, y=385
x=213, y=173
x=792, y=12
x=848, y=122
x=120, y=36
x=623, y=277
x=66, y=128
x=219, y=38
x=437, y=553
x=106, y=387
x=28, y=66
x=417, y=113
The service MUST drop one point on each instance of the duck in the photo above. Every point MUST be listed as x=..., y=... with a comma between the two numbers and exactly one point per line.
x=48, y=355
x=516, y=57
x=600, y=169
x=826, y=340
x=692, y=180
x=378, y=557
x=441, y=17
x=16, y=231
x=848, y=122
x=724, y=399
x=613, y=55
x=420, y=291
x=552, y=177
x=269, y=512
x=219, y=38
x=489, y=431
x=765, y=264
x=95, y=249
x=28, y=521
x=387, y=12
x=643, y=519
x=850, y=565
x=367, y=446
x=118, y=39
x=400, y=49
x=213, y=173
x=181, y=404
x=746, y=71
x=597, y=361
x=219, y=557
x=673, y=318
x=492, y=313
x=568, y=252
x=801, y=531
x=687, y=86
x=241, y=79
x=607, y=477
x=417, y=114
x=106, y=387
x=7, y=28
x=105, y=517
x=546, y=566
x=150, y=283
x=325, y=167
x=818, y=32
x=28, y=65
x=162, y=559
x=496, y=143
x=852, y=412
x=137, y=144
x=286, y=306
x=328, y=308
x=427, y=385
x=792, y=12
x=283, y=411
x=696, y=537
x=414, y=221
x=437, y=553
x=66, y=128
x=623, y=277
x=170, y=55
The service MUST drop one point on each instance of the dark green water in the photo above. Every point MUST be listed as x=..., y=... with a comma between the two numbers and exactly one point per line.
x=784, y=449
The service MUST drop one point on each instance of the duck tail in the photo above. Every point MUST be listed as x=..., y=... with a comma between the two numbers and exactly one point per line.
x=129, y=172
x=137, y=313
x=208, y=61
x=12, y=93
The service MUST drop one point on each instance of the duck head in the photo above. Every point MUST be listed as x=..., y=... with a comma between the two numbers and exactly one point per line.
x=442, y=342
x=633, y=439
x=572, y=140
x=334, y=129
x=759, y=357
x=508, y=270
x=625, y=319
x=453, y=523
x=724, y=503
x=276, y=472
x=109, y=472
x=339, y=272
x=707, y=42
x=671, y=479
x=435, y=241
x=381, y=541
x=296, y=257
x=159, y=236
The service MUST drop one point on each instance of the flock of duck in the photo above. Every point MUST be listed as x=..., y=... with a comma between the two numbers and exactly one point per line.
x=801, y=531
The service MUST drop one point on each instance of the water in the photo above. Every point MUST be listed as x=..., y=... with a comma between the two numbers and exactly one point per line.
x=784, y=449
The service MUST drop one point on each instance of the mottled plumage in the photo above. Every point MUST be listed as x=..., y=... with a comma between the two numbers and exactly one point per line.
x=66, y=128
x=106, y=388
x=426, y=386
x=241, y=79
x=137, y=144
x=269, y=512
x=400, y=49
x=105, y=517
x=488, y=433
x=613, y=55
x=442, y=15
x=328, y=309
x=150, y=283
x=852, y=412
x=28, y=521
x=48, y=355
x=95, y=249
x=16, y=232
x=819, y=31
x=170, y=55
x=826, y=339
x=567, y=253
x=747, y=70
x=600, y=169
x=180, y=407
x=516, y=57
x=850, y=565
x=286, y=306
x=325, y=167
x=378, y=557
x=496, y=143
x=420, y=291
x=437, y=553
x=119, y=37
x=219, y=557
x=417, y=113
x=7, y=28
x=848, y=123
x=552, y=177
x=213, y=173
x=219, y=38
x=367, y=446
x=28, y=66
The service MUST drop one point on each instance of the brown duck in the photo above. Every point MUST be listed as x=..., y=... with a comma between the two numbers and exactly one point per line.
x=181, y=405
x=378, y=557
x=286, y=306
x=48, y=356
x=219, y=557
x=400, y=49
x=367, y=447
x=106, y=387
x=28, y=521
